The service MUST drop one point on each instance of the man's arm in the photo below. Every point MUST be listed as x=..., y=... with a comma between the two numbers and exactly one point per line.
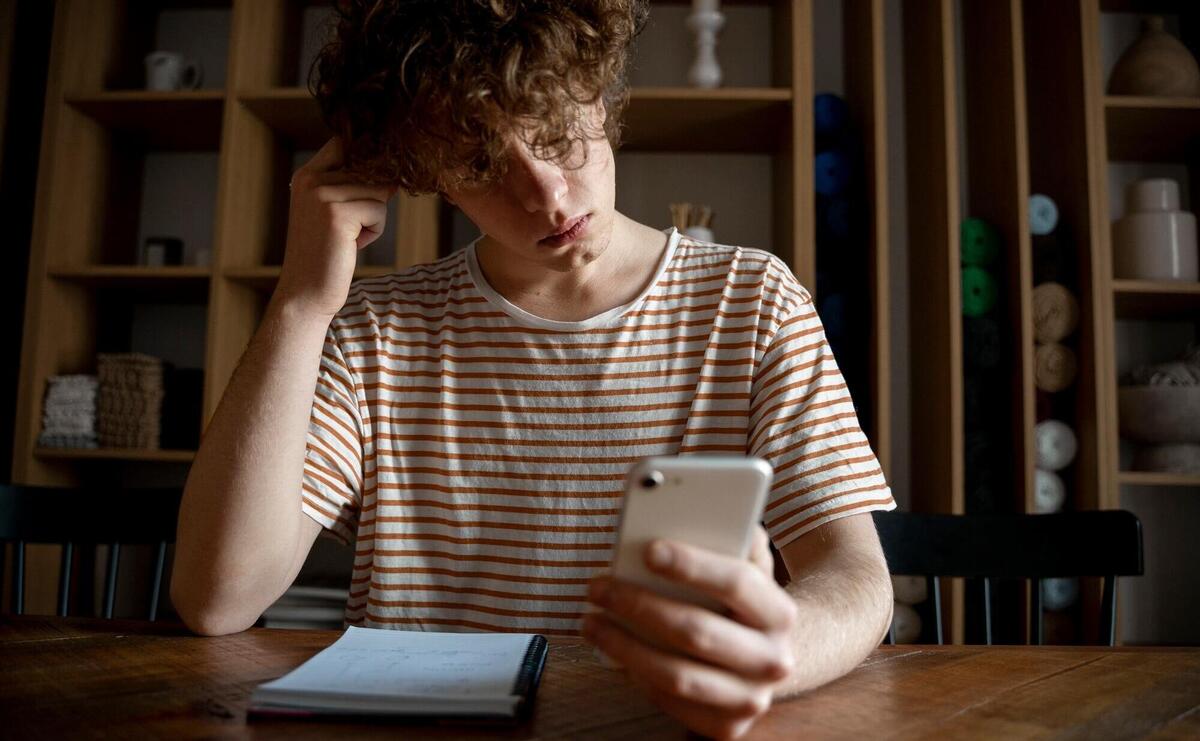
x=242, y=535
x=840, y=584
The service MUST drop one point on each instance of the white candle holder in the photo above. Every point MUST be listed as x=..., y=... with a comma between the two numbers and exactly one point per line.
x=705, y=21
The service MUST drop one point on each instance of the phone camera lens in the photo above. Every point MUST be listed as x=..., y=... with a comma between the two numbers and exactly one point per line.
x=652, y=480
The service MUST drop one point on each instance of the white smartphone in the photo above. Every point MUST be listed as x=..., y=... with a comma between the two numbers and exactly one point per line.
x=712, y=502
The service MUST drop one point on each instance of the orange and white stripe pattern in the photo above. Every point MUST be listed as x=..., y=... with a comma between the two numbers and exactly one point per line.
x=475, y=454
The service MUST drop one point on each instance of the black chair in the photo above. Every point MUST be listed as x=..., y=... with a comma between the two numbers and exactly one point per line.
x=1105, y=543
x=87, y=516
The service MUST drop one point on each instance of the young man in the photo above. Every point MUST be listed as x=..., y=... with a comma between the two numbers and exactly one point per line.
x=473, y=418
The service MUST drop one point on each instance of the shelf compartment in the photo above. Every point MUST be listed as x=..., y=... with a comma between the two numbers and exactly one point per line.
x=1151, y=299
x=672, y=119
x=1146, y=129
x=116, y=454
x=1152, y=478
x=184, y=120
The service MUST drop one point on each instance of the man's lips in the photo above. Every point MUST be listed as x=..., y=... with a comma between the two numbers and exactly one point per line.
x=568, y=226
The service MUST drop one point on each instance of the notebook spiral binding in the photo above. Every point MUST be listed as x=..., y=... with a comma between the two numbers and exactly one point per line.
x=530, y=674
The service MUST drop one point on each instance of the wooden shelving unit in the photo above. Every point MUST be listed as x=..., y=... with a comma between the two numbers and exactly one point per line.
x=1139, y=129
x=99, y=130
x=1034, y=118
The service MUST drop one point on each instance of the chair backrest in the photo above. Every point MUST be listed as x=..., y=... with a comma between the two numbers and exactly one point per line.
x=87, y=516
x=1105, y=543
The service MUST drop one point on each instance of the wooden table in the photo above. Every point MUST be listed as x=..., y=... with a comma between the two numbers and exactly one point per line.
x=70, y=678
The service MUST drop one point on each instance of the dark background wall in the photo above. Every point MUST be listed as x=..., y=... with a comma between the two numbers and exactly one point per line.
x=24, y=58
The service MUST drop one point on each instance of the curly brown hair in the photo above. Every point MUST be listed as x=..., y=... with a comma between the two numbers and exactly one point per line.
x=424, y=92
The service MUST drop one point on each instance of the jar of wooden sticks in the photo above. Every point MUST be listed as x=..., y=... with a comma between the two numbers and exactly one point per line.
x=694, y=220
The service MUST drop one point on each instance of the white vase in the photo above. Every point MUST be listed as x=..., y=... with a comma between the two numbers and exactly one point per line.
x=1154, y=240
x=705, y=22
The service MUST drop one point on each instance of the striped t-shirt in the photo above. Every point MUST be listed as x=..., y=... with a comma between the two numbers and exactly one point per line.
x=475, y=454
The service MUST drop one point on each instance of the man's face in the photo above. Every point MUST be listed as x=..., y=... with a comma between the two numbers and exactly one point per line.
x=537, y=198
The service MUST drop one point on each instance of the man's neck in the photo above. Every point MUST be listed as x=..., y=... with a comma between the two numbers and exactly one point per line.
x=616, y=277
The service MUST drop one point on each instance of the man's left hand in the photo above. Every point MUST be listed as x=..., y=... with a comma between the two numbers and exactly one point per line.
x=721, y=670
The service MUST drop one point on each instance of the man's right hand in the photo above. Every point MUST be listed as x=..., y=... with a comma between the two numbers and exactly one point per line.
x=331, y=217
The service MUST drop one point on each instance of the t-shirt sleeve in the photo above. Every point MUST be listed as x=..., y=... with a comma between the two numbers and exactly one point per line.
x=333, y=459
x=802, y=422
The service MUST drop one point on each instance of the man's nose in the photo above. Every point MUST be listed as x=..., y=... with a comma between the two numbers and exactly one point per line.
x=538, y=183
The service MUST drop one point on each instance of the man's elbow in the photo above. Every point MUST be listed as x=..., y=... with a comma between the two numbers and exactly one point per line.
x=204, y=618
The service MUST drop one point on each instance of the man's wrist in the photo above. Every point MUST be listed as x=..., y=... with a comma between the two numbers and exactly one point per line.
x=298, y=313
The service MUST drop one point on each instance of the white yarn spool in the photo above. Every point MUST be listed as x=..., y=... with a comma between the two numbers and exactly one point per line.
x=910, y=590
x=705, y=21
x=1056, y=445
x=906, y=623
x=1049, y=492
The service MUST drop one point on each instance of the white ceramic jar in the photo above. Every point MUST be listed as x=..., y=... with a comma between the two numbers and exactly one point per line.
x=1154, y=240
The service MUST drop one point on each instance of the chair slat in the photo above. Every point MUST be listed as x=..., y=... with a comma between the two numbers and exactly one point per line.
x=987, y=610
x=160, y=558
x=64, y=578
x=110, y=578
x=936, y=590
x=19, y=577
x=1035, y=611
x=1108, y=611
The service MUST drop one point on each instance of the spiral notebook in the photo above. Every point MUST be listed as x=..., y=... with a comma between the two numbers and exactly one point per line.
x=411, y=674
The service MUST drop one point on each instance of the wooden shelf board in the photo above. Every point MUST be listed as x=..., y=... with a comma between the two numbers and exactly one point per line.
x=1145, y=129
x=111, y=273
x=1148, y=478
x=719, y=120
x=116, y=454
x=264, y=277
x=183, y=283
x=372, y=271
x=1137, y=299
x=188, y=120
x=1146, y=6
x=291, y=112
x=681, y=119
x=726, y=2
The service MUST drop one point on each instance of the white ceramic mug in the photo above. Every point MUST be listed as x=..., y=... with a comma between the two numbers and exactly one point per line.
x=167, y=70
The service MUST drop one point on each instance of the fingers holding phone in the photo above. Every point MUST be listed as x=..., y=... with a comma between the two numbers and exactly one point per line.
x=692, y=611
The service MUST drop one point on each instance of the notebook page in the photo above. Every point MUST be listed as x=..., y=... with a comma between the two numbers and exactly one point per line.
x=371, y=661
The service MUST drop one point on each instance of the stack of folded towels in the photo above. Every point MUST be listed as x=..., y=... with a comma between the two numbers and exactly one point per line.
x=69, y=414
x=131, y=395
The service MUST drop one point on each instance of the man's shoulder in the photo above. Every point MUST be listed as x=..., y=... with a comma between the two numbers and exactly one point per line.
x=740, y=265
x=426, y=285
